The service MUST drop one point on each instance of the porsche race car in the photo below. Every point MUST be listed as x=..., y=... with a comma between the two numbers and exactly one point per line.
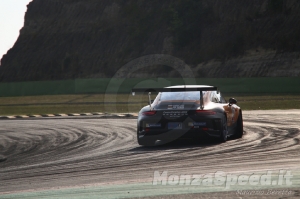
x=187, y=111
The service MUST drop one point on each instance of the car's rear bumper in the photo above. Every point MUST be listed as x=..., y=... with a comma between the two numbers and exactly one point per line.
x=169, y=136
x=160, y=128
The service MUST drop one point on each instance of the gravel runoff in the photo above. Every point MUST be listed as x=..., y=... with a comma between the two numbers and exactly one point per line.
x=100, y=158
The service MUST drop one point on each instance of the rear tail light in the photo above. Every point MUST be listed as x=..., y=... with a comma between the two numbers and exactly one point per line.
x=149, y=113
x=205, y=112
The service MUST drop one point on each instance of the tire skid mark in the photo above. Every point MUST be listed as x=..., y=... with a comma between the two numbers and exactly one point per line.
x=56, y=152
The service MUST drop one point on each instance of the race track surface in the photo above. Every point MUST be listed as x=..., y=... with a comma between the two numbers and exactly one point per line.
x=49, y=157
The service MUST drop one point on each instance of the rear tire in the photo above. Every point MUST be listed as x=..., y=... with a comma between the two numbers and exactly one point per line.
x=224, y=130
x=239, y=131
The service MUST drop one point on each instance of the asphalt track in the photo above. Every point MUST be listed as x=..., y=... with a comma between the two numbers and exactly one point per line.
x=100, y=158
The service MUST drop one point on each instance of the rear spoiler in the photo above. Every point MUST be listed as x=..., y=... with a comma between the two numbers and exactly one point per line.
x=142, y=90
x=200, y=89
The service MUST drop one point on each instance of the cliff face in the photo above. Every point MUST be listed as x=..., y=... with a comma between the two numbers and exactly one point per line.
x=216, y=38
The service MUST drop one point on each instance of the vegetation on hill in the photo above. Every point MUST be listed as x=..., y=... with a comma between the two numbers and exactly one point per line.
x=91, y=38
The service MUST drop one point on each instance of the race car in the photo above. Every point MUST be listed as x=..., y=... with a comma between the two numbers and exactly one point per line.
x=187, y=111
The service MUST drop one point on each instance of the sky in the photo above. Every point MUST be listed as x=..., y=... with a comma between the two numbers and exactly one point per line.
x=12, y=14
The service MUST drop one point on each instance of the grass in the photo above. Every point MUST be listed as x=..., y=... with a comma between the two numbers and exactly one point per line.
x=55, y=104
x=267, y=101
x=124, y=103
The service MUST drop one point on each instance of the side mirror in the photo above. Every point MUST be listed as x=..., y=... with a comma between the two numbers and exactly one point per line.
x=232, y=101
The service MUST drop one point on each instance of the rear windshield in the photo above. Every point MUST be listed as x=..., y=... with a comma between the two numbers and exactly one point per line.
x=190, y=95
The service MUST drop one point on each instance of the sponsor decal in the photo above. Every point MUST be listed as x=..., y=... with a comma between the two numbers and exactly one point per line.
x=175, y=106
x=149, y=125
x=174, y=113
x=199, y=123
x=174, y=125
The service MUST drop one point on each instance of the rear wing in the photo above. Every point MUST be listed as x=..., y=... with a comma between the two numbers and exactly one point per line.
x=175, y=89
x=142, y=90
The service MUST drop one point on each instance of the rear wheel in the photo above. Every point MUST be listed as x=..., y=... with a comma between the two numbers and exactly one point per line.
x=224, y=130
x=138, y=139
x=137, y=135
x=239, y=131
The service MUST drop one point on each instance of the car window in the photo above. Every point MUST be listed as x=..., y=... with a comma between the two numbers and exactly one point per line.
x=191, y=95
x=222, y=99
x=214, y=97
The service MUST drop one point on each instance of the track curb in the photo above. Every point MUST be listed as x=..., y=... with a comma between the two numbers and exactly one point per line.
x=108, y=115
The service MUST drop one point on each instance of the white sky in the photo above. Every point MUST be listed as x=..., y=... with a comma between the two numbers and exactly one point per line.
x=12, y=14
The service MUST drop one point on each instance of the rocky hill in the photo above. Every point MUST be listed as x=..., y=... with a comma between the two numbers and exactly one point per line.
x=67, y=39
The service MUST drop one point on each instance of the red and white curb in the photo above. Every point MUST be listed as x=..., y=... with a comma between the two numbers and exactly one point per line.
x=106, y=115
